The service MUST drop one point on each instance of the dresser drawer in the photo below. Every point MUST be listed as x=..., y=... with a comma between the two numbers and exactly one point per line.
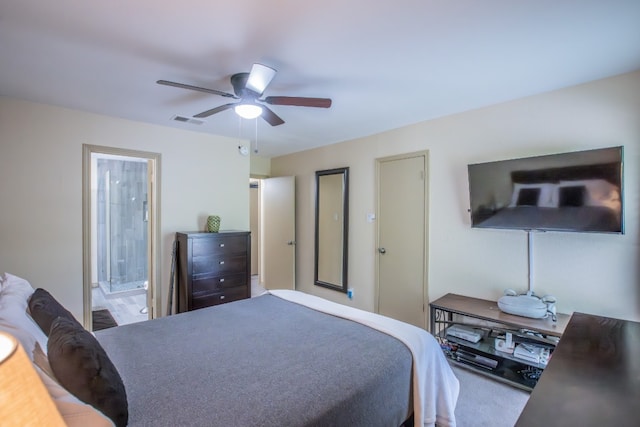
x=207, y=283
x=221, y=246
x=204, y=299
x=219, y=264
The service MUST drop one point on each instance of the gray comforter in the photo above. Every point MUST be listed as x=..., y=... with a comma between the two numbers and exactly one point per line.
x=260, y=362
x=567, y=218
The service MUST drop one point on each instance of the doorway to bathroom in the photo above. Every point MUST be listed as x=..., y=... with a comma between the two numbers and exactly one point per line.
x=121, y=234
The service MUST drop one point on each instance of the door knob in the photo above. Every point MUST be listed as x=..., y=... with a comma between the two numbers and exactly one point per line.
x=382, y=250
x=291, y=242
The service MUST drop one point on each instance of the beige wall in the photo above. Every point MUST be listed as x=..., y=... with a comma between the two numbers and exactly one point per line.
x=593, y=273
x=260, y=166
x=41, y=189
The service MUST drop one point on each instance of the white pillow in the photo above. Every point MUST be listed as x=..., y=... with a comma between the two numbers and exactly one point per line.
x=17, y=287
x=544, y=199
x=14, y=317
x=599, y=193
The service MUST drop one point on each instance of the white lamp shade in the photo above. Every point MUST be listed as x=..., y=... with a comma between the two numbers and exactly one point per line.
x=259, y=78
x=24, y=400
x=248, y=111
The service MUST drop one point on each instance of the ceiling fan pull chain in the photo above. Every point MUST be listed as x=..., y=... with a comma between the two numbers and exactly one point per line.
x=256, y=122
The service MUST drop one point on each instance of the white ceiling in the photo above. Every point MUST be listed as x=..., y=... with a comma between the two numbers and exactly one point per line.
x=385, y=64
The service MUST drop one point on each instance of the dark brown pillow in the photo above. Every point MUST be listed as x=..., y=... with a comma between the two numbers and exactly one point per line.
x=528, y=197
x=82, y=367
x=572, y=196
x=45, y=309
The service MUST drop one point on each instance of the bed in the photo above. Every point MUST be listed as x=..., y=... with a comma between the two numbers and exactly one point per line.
x=571, y=198
x=284, y=358
x=582, y=218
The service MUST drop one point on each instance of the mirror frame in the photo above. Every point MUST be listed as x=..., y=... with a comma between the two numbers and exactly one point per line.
x=345, y=228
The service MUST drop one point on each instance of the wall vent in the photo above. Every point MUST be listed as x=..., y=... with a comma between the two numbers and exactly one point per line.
x=187, y=120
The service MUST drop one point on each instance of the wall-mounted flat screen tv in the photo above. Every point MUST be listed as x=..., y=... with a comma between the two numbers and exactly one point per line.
x=579, y=191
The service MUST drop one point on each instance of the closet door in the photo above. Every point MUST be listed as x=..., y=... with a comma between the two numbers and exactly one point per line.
x=278, y=233
x=402, y=251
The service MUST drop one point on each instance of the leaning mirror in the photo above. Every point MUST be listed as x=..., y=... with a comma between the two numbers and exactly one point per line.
x=332, y=228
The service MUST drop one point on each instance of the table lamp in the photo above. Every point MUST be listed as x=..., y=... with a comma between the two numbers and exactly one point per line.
x=24, y=400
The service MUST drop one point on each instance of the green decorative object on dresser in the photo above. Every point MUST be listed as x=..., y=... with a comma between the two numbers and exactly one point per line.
x=213, y=223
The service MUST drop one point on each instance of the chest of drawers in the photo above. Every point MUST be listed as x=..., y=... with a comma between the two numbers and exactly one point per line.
x=212, y=268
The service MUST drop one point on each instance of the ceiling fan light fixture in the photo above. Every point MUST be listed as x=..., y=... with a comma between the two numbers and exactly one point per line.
x=248, y=111
x=259, y=78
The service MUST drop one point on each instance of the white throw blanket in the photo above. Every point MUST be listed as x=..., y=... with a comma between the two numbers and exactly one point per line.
x=435, y=387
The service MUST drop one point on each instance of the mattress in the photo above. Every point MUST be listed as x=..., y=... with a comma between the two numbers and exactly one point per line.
x=260, y=362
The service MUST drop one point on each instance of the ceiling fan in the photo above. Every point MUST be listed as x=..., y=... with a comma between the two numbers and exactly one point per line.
x=248, y=88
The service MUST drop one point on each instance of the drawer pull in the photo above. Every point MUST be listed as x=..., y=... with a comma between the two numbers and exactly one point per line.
x=221, y=262
x=222, y=280
x=222, y=245
x=221, y=296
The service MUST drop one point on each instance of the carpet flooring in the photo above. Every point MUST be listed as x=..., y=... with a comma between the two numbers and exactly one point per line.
x=102, y=319
x=484, y=402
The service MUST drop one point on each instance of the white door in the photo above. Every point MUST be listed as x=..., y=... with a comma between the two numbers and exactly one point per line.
x=278, y=233
x=401, y=257
x=254, y=224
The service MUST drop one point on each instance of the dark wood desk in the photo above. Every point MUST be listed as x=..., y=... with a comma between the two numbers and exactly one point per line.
x=593, y=378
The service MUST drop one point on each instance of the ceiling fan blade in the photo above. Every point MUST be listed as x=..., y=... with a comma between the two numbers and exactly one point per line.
x=214, y=110
x=298, y=101
x=270, y=117
x=199, y=89
x=259, y=78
